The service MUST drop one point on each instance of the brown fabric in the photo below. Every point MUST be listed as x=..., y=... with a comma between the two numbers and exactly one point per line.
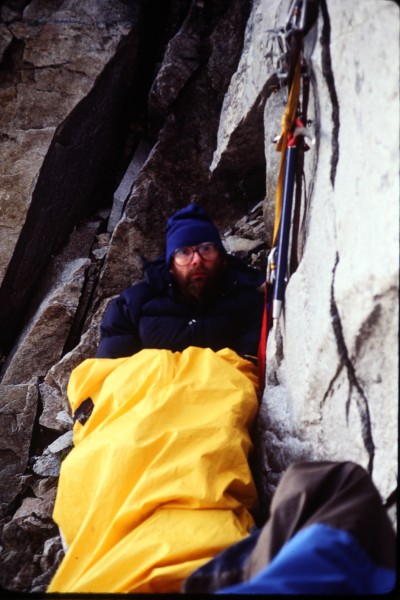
x=339, y=494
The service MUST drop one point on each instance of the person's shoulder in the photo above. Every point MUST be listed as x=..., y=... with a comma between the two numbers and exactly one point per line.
x=157, y=274
x=156, y=280
x=139, y=288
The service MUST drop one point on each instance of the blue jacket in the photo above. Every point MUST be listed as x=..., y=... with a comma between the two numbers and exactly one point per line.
x=152, y=314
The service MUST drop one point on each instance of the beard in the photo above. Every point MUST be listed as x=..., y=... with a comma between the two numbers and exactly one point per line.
x=200, y=285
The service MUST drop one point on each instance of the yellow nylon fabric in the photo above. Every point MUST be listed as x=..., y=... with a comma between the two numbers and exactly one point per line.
x=287, y=121
x=158, y=481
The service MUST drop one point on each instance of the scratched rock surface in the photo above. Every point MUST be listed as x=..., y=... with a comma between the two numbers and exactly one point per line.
x=210, y=106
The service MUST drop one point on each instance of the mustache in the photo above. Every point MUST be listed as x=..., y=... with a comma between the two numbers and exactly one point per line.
x=198, y=270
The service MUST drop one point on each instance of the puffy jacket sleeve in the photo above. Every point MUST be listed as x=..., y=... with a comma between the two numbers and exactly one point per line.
x=119, y=328
x=250, y=327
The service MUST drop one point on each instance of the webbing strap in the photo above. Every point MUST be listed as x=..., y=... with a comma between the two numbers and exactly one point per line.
x=287, y=122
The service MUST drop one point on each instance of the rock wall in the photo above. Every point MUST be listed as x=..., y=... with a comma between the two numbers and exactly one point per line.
x=124, y=117
x=332, y=383
x=65, y=86
x=333, y=375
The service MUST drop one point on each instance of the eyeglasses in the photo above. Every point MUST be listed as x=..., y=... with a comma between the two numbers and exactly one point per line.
x=183, y=256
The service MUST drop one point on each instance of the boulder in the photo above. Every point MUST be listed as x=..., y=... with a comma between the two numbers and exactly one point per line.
x=41, y=344
x=18, y=407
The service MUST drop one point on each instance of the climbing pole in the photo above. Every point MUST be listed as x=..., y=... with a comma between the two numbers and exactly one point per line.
x=292, y=73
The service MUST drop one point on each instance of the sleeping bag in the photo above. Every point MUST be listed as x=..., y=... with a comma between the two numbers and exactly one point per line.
x=158, y=481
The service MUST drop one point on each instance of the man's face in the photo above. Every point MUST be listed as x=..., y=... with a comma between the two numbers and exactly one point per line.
x=200, y=278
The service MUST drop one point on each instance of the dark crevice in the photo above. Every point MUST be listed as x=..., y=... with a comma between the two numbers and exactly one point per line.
x=10, y=65
x=41, y=436
x=327, y=71
x=392, y=498
x=249, y=135
x=85, y=302
x=332, y=382
x=159, y=22
x=354, y=384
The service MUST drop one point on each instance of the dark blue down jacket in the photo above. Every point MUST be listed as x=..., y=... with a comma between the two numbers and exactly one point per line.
x=152, y=314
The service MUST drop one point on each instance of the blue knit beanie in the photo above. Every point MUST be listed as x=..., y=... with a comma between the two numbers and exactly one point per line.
x=190, y=226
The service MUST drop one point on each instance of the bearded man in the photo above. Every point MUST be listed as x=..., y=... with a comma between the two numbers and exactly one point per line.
x=159, y=479
x=195, y=295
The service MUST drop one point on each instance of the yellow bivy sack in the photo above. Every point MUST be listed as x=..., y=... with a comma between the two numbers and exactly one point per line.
x=158, y=481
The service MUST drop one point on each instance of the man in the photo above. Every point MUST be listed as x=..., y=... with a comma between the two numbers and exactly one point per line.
x=197, y=295
x=159, y=479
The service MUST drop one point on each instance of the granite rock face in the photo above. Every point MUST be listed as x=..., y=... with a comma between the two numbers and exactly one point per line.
x=338, y=353
x=18, y=406
x=64, y=87
x=115, y=115
x=331, y=375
